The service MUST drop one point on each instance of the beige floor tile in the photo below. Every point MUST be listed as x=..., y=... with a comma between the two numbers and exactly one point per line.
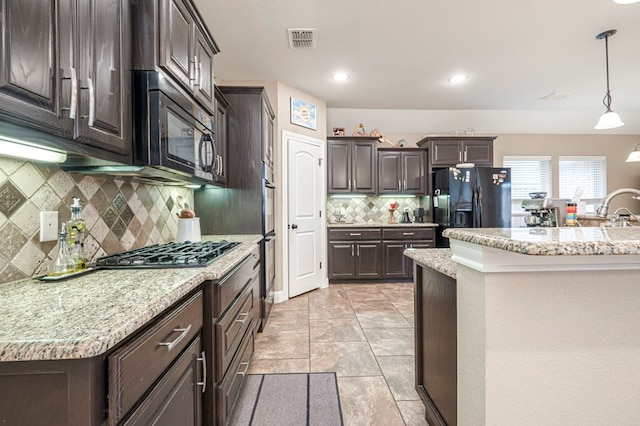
x=271, y=366
x=399, y=371
x=413, y=413
x=344, y=358
x=411, y=320
x=336, y=330
x=367, y=401
x=372, y=305
x=327, y=310
x=282, y=345
x=289, y=320
x=382, y=319
x=391, y=341
x=405, y=308
x=401, y=295
x=298, y=303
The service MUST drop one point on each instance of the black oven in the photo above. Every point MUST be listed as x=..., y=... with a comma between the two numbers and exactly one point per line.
x=171, y=131
x=268, y=244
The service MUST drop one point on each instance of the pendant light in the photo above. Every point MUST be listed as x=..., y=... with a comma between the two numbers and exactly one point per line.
x=610, y=119
x=634, y=155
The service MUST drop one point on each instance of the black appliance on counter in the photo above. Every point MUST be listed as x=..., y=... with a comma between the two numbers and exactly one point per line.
x=247, y=204
x=173, y=137
x=169, y=255
x=471, y=197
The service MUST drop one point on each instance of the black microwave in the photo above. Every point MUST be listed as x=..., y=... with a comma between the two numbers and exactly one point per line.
x=171, y=131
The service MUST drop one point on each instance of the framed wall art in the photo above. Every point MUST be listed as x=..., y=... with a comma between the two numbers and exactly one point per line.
x=303, y=114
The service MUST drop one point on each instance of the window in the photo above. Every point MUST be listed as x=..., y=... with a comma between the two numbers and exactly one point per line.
x=585, y=173
x=528, y=174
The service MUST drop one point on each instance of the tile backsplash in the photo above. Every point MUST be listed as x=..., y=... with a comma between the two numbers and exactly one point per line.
x=372, y=209
x=119, y=215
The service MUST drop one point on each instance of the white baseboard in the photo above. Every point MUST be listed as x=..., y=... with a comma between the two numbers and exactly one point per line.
x=279, y=297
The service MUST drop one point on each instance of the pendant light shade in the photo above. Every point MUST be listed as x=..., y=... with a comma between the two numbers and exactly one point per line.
x=634, y=155
x=610, y=119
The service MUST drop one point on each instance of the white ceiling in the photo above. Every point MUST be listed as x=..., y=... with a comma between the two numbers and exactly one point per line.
x=400, y=53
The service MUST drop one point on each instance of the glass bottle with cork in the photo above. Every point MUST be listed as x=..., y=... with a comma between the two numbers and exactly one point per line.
x=75, y=235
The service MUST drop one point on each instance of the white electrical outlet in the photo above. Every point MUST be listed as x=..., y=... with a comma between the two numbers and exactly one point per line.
x=48, y=226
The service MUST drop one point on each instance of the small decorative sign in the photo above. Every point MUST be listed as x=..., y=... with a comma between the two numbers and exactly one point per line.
x=303, y=114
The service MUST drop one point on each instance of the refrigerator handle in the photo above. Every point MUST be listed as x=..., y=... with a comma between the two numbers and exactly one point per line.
x=477, y=208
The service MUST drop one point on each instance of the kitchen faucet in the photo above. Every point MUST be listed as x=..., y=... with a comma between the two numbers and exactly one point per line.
x=603, y=210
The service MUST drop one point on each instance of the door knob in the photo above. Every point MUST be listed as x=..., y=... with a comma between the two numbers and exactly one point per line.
x=294, y=226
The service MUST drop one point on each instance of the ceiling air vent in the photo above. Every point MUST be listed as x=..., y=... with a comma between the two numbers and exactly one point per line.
x=555, y=96
x=302, y=38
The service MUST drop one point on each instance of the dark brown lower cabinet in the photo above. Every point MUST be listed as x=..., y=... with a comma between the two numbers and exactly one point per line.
x=436, y=344
x=351, y=260
x=177, y=399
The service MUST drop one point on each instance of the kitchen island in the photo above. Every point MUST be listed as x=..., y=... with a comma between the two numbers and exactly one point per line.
x=546, y=324
x=134, y=344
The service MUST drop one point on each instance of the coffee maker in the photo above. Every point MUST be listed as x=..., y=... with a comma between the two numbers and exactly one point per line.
x=418, y=215
x=546, y=212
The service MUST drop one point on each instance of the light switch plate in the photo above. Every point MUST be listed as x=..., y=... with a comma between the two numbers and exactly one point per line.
x=48, y=226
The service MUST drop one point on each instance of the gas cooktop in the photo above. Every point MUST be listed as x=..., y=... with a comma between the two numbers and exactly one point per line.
x=169, y=255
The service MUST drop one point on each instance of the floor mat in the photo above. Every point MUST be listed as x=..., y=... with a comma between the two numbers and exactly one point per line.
x=288, y=399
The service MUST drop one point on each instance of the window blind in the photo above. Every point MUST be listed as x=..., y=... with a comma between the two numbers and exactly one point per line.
x=586, y=172
x=528, y=174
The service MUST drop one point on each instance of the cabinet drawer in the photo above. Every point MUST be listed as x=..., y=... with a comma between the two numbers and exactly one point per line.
x=231, y=327
x=407, y=234
x=354, y=234
x=178, y=393
x=229, y=389
x=224, y=292
x=136, y=366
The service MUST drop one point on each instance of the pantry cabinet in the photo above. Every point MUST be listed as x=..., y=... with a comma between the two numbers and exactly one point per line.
x=351, y=165
x=66, y=71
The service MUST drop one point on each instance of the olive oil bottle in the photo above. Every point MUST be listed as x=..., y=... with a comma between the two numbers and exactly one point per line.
x=75, y=235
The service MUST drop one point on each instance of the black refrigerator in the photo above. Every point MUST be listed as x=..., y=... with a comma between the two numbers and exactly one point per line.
x=474, y=197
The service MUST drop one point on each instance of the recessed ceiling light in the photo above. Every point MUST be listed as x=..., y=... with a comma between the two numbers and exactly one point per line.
x=340, y=76
x=458, y=78
x=626, y=1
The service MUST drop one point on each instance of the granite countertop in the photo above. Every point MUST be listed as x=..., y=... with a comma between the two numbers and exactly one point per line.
x=87, y=315
x=379, y=225
x=565, y=241
x=438, y=259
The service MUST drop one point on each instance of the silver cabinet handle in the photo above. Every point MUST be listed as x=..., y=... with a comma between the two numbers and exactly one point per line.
x=399, y=185
x=203, y=383
x=74, y=94
x=243, y=373
x=244, y=316
x=221, y=164
x=349, y=184
x=355, y=187
x=465, y=153
x=459, y=155
x=92, y=102
x=355, y=234
x=358, y=250
x=183, y=333
x=408, y=233
x=404, y=188
x=352, y=254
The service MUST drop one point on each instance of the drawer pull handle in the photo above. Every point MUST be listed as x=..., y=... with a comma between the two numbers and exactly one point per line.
x=244, y=316
x=183, y=333
x=408, y=233
x=203, y=383
x=243, y=373
x=355, y=234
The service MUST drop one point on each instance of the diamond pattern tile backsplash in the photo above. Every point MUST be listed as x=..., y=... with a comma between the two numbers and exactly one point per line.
x=371, y=209
x=119, y=215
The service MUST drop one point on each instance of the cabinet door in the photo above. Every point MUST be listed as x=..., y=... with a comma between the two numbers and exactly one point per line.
x=177, y=399
x=363, y=167
x=389, y=172
x=368, y=260
x=221, y=141
x=341, y=260
x=421, y=244
x=176, y=29
x=478, y=152
x=413, y=170
x=445, y=153
x=339, y=167
x=36, y=45
x=203, y=85
x=267, y=134
x=104, y=74
x=393, y=260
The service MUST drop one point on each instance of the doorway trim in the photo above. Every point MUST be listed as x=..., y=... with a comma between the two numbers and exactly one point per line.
x=284, y=208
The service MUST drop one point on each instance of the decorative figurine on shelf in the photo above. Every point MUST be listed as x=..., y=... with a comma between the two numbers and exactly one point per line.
x=359, y=130
x=392, y=209
x=338, y=131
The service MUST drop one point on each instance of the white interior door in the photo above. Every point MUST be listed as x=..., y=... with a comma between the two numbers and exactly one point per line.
x=305, y=215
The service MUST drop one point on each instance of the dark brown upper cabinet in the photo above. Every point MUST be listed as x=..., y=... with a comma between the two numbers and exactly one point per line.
x=65, y=71
x=351, y=165
x=402, y=171
x=221, y=137
x=170, y=35
x=447, y=151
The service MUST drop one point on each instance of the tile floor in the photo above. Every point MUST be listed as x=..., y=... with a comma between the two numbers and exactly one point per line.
x=363, y=332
